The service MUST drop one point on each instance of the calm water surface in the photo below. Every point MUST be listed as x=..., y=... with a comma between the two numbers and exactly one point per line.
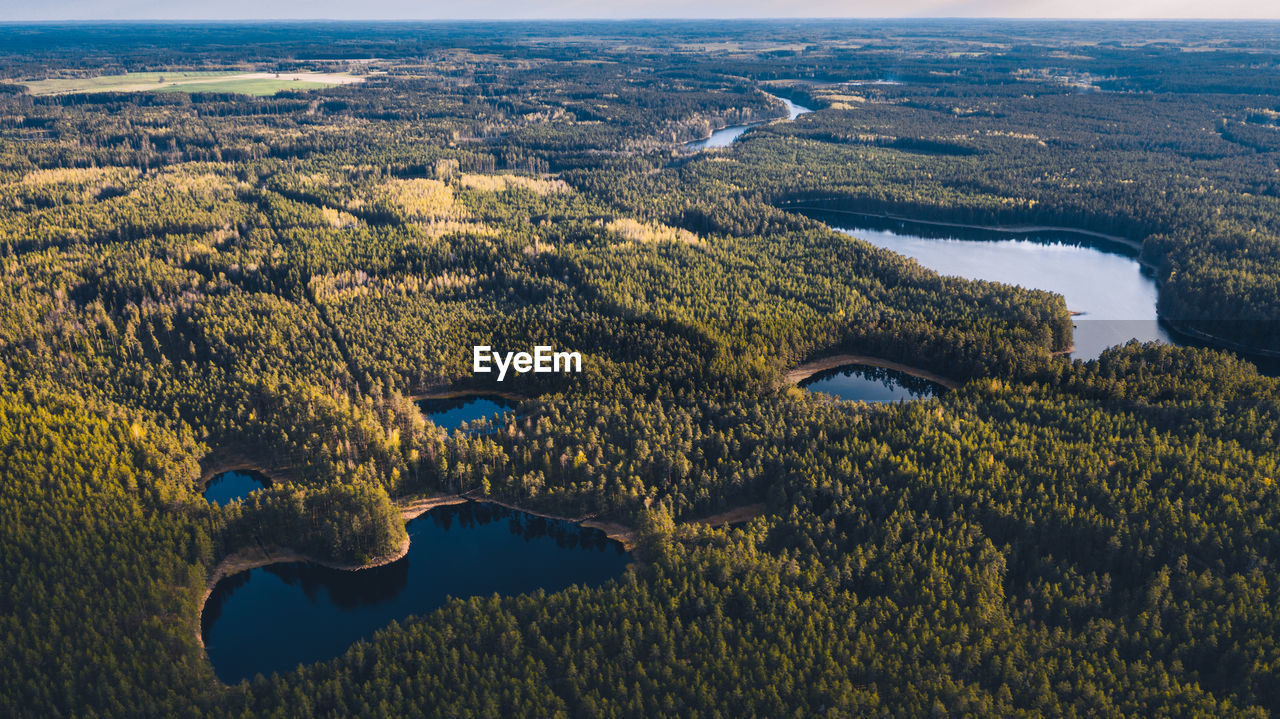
x=451, y=412
x=233, y=486
x=1115, y=296
x=273, y=618
x=870, y=384
x=725, y=137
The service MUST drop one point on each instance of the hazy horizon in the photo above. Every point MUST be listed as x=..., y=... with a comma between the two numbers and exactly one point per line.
x=408, y=10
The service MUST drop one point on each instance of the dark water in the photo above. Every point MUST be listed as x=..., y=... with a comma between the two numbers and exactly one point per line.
x=725, y=137
x=1101, y=280
x=870, y=384
x=273, y=618
x=234, y=485
x=451, y=412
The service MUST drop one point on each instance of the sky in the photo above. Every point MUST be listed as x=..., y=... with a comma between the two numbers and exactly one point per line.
x=34, y=10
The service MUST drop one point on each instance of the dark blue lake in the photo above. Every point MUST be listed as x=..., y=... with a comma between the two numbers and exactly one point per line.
x=870, y=384
x=274, y=618
x=233, y=486
x=451, y=412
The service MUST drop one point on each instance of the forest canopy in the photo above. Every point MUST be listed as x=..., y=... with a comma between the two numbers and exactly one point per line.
x=231, y=276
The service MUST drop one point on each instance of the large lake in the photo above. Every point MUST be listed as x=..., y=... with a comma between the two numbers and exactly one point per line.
x=1101, y=280
x=870, y=384
x=274, y=618
x=725, y=137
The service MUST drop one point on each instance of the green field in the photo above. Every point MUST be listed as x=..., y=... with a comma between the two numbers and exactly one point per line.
x=257, y=86
x=132, y=81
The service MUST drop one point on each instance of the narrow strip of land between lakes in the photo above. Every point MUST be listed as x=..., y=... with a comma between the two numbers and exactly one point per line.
x=415, y=507
x=808, y=369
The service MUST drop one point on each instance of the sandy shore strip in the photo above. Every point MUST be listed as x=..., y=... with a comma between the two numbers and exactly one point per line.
x=255, y=557
x=414, y=507
x=614, y=530
x=220, y=461
x=808, y=369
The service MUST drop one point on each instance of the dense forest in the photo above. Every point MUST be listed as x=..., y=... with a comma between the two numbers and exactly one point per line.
x=199, y=280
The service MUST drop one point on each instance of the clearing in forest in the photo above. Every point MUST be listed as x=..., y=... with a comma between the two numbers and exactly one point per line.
x=247, y=83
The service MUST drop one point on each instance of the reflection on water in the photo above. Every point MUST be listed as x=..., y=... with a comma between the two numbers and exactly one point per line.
x=451, y=412
x=726, y=136
x=233, y=486
x=793, y=110
x=1101, y=280
x=870, y=384
x=273, y=618
x=719, y=138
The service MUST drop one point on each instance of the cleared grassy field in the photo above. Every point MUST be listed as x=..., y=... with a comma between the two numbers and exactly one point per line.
x=261, y=86
x=251, y=83
x=121, y=83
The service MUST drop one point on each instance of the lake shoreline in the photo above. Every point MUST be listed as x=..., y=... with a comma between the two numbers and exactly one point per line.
x=791, y=114
x=618, y=532
x=237, y=463
x=1219, y=342
x=804, y=371
x=250, y=558
x=1134, y=245
x=460, y=393
x=412, y=507
x=1174, y=330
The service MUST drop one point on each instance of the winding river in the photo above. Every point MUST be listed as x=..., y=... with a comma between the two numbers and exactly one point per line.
x=1113, y=296
x=726, y=136
x=273, y=618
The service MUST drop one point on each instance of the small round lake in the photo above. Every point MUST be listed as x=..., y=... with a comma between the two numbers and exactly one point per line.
x=1102, y=281
x=452, y=412
x=870, y=384
x=233, y=486
x=276, y=617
